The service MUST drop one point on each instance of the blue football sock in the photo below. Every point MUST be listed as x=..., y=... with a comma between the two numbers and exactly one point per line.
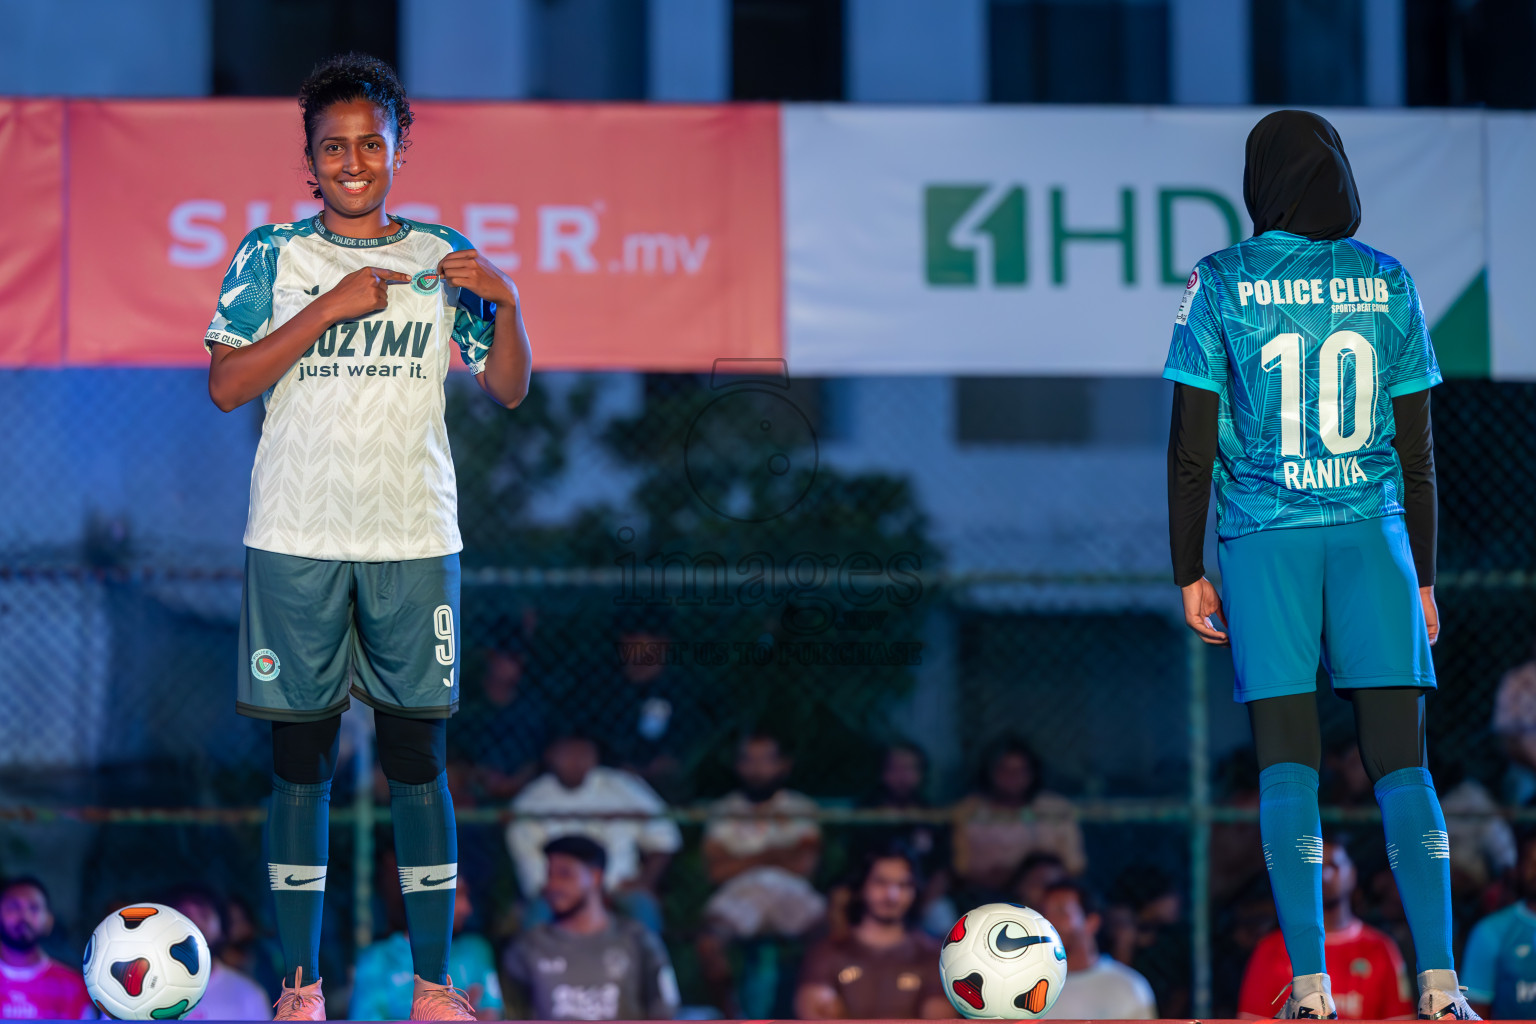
x=1293, y=852
x=427, y=847
x=1420, y=854
x=298, y=843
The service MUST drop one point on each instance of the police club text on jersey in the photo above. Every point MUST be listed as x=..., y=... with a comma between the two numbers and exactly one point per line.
x=1348, y=294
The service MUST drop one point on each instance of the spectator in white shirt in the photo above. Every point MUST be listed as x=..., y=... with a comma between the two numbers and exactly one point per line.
x=638, y=847
x=1098, y=986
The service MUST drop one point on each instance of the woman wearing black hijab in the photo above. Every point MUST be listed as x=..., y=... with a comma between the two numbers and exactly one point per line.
x=1302, y=367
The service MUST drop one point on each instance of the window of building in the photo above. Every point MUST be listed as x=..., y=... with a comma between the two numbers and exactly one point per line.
x=1078, y=51
x=1023, y=410
x=1465, y=54
x=1110, y=411
x=268, y=47
x=1308, y=52
x=787, y=50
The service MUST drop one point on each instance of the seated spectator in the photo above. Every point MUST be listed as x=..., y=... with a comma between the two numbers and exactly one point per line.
x=247, y=950
x=1497, y=967
x=1036, y=874
x=1514, y=722
x=1151, y=909
x=1236, y=847
x=903, y=787
x=504, y=729
x=230, y=995
x=1482, y=843
x=990, y=838
x=1097, y=986
x=385, y=977
x=885, y=968
x=762, y=859
x=1238, y=928
x=638, y=849
x=1370, y=980
x=586, y=964
x=654, y=710
x=33, y=984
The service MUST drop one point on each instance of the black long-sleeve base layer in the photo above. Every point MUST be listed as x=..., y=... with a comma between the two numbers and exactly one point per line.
x=1192, y=442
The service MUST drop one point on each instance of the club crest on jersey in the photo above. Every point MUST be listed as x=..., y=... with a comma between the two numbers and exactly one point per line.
x=426, y=281
x=1189, y=297
x=265, y=666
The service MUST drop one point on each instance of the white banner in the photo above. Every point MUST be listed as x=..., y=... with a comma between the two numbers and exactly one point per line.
x=1511, y=155
x=1057, y=240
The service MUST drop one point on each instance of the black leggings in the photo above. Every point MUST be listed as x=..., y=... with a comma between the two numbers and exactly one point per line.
x=412, y=751
x=1389, y=723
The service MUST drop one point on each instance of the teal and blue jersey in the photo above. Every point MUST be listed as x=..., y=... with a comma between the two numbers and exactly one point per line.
x=1498, y=967
x=1307, y=343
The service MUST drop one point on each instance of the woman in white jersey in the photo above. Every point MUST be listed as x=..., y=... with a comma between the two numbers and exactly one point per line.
x=344, y=325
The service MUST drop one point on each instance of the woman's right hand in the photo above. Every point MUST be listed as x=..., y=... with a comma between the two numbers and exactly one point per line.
x=361, y=292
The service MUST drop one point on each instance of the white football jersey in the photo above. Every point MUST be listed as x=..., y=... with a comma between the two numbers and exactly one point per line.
x=353, y=463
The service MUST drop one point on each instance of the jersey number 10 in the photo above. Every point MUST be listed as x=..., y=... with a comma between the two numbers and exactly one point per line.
x=1286, y=352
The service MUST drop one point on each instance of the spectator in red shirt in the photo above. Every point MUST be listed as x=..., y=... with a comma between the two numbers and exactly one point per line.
x=1370, y=981
x=32, y=984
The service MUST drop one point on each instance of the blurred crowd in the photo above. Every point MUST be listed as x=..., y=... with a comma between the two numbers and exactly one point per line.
x=594, y=902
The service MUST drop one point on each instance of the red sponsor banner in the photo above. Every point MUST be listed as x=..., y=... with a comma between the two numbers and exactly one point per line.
x=639, y=237
x=31, y=232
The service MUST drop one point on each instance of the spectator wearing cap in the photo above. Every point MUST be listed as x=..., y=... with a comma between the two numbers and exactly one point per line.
x=584, y=963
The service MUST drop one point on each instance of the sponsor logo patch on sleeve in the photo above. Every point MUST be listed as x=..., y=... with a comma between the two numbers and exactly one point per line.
x=1189, y=297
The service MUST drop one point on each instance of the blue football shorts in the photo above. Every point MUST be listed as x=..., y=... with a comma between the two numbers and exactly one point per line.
x=1347, y=595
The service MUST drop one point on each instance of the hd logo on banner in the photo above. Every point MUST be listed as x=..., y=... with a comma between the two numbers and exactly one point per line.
x=1059, y=240
x=975, y=235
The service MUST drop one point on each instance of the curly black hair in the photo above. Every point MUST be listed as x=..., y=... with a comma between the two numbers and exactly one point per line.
x=354, y=76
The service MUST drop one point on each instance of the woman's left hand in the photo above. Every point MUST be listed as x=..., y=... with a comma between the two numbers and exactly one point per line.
x=467, y=268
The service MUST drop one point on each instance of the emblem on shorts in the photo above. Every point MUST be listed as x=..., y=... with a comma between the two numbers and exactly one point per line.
x=265, y=666
x=426, y=281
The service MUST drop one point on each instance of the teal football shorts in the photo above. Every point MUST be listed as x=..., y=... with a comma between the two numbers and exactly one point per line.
x=314, y=633
x=1346, y=593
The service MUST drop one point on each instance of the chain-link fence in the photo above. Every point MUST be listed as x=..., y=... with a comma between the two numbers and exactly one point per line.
x=666, y=562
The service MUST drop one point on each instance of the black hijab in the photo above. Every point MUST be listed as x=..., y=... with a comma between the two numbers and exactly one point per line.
x=1298, y=179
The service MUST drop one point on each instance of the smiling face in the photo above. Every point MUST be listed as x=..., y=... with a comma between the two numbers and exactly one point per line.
x=353, y=156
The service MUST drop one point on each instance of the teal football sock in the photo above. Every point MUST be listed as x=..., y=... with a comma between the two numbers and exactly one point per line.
x=1293, y=852
x=1420, y=854
x=298, y=845
x=427, y=848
